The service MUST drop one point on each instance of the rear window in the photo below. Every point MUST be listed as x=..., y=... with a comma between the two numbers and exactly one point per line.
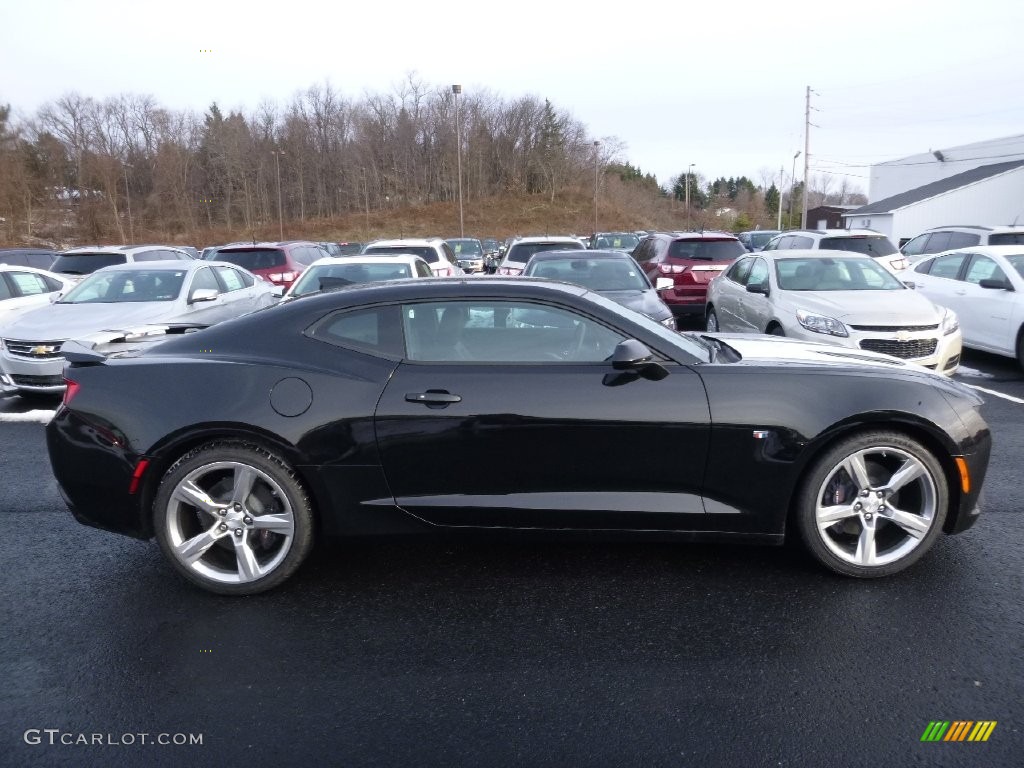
x=86, y=263
x=760, y=239
x=522, y=252
x=1006, y=238
x=706, y=250
x=253, y=258
x=322, y=277
x=869, y=246
x=425, y=251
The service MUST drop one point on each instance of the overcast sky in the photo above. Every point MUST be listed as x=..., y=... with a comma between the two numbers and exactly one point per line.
x=717, y=84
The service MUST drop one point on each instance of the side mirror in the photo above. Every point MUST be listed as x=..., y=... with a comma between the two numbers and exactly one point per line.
x=56, y=296
x=996, y=285
x=277, y=290
x=761, y=287
x=633, y=355
x=202, y=294
x=663, y=283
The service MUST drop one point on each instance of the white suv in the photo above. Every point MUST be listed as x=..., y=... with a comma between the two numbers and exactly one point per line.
x=520, y=251
x=79, y=262
x=863, y=241
x=435, y=251
x=939, y=239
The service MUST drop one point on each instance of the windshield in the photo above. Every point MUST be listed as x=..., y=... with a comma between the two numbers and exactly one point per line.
x=1006, y=238
x=425, y=251
x=849, y=274
x=253, y=259
x=1017, y=262
x=86, y=263
x=522, y=252
x=322, y=277
x=595, y=274
x=124, y=286
x=706, y=250
x=617, y=240
x=878, y=245
x=466, y=247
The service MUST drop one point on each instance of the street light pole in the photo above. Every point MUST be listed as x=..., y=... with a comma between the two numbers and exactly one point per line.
x=782, y=180
x=597, y=179
x=792, y=188
x=280, y=215
x=688, y=171
x=128, y=197
x=456, y=90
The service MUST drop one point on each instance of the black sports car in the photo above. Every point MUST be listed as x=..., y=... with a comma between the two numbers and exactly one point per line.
x=339, y=414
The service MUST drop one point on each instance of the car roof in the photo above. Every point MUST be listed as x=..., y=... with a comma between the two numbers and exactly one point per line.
x=129, y=250
x=46, y=273
x=416, y=241
x=166, y=265
x=810, y=253
x=706, y=235
x=984, y=250
x=978, y=227
x=574, y=253
x=529, y=239
x=401, y=258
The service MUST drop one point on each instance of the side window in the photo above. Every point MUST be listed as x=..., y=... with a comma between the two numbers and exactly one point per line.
x=423, y=270
x=924, y=267
x=53, y=285
x=983, y=268
x=204, y=278
x=29, y=283
x=963, y=240
x=917, y=246
x=758, y=272
x=939, y=241
x=503, y=331
x=247, y=280
x=947, y=266
x=230, y=278
x=448, y=252
x=376, y=330
x=773, y=244
x=739, y=271
x=5, y=290
x=299, y=256
x=643, y=252
x=795, y=241
x=40, y=260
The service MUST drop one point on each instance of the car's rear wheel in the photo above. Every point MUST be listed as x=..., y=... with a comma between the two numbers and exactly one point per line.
x=233, y=518
x=712, y=320
x=872, y=505
x=1020, y=347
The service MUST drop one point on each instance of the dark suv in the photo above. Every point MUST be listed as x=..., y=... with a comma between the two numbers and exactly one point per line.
x=277, y=263
x=692, y=260
x=39, y=258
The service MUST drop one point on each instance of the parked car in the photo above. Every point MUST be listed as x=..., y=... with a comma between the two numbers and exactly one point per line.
x=983, y=285
x=37, y=258
x=941, y=239
x=435, y=251
x=111, y=303
x=331, y=249
x=492, y=254
x=837, y=297
x=612, y=274
x=350, y=248
x=864, y=241
x=277, y=263
x=25, y=288
x=338, y=414
x=691, y=260
x=340, y=271
x=613, y=241
x=756, y=239
x=77, y=262
x=469, y=253
x=522, y=249
x=190, y=250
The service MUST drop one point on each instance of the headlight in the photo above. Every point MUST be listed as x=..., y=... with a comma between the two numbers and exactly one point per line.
x=950, y=324
x=669, y=322
x=820, y=323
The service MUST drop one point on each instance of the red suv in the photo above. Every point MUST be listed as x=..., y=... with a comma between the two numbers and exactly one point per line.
x=277, y=263
x=691, y=260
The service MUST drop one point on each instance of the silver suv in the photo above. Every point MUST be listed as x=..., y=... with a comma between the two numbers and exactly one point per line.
x=78, y=262
x=938, y=239
x=521, y=249
x=863, y=241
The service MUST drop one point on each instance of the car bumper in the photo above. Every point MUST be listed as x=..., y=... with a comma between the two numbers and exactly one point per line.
x=939, y=353
x=19, y=374
x=472, y=266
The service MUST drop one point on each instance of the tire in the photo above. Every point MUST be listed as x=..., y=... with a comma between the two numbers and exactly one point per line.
x=711, y=323
x=233, y=518
x=1020, y=347
x=865, y=527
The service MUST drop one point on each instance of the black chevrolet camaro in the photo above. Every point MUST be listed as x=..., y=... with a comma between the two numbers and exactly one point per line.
x=338, y=414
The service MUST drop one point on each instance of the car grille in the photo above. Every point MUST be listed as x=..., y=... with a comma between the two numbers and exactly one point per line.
x=37, y=381
x=34, y=350
x=907, y=350
x=895, y=328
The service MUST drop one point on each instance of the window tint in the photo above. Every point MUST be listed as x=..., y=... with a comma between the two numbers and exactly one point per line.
x=376, y=330
x=644, y=251
x=503, y=331
x=231, y=278
x=983, y=268
x=869, y=246
x=85, y=263
x=854, y=273
x=448, y=252
x=153, y=256
x=947, y=266
x=917, y=246
x=29, y=283
x=739, y=271
x=758, y=272
x=1004, y=238
x=5, y=291
x=253, y=258
x=423, y=270
x=522, y=252
x=603, y=274
x=962, y=240
x=706, y=250
x=425, y=252
x=205, y=278
x=796, y=241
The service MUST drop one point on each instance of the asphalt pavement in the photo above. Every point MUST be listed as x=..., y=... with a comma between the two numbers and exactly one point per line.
x=484, y=653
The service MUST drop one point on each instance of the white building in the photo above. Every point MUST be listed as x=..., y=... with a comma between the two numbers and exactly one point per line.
x=979, y=183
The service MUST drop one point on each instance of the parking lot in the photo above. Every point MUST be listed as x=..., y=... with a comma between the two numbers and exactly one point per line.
x=434, y=652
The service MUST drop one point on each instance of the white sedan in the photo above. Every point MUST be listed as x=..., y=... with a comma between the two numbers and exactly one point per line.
x=984, y=286
x=837, y=297
x=25, y=288
x=338, y=271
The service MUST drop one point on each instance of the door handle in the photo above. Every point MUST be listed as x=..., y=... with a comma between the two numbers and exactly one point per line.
x=960, y=293
x=433, y=398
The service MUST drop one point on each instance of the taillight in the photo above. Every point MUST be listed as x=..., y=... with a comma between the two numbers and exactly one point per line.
x=443, y=272
x=70, y=390
x=509, y=271
x=672, y=269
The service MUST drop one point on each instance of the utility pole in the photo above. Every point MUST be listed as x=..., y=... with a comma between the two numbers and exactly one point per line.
x=128, y=197
x=782, y=180
x=807, y=153
x=689, y=170
x=280, y=215
x=597, y=182
x=456, y=90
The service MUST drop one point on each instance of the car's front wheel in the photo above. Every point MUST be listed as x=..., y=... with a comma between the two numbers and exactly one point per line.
x=712, y=320
x=233, y=518
x=873, y=504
